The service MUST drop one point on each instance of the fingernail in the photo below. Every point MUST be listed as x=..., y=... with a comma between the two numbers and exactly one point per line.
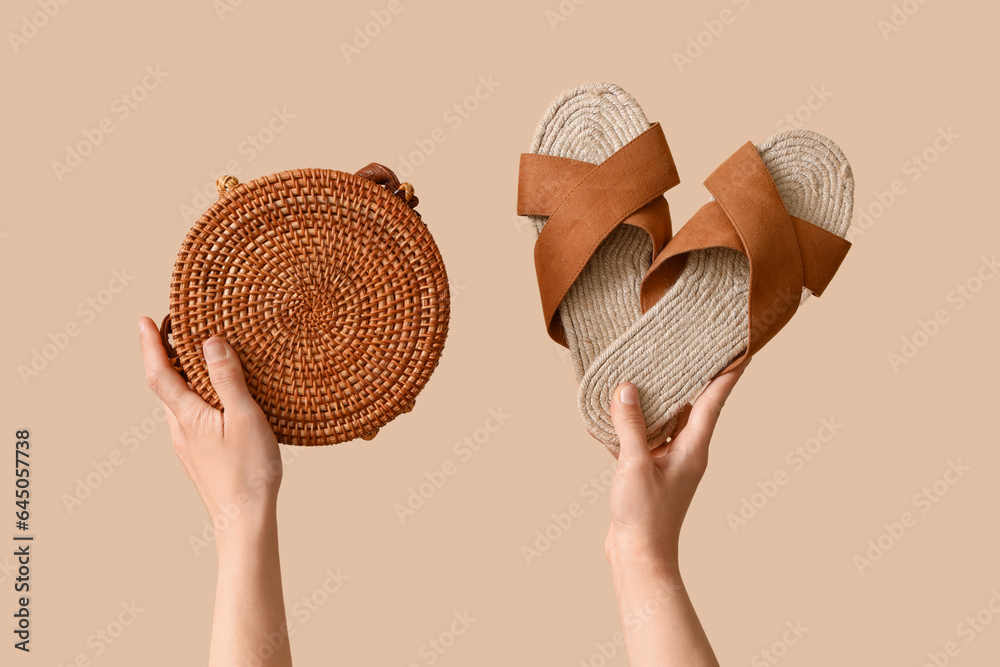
x=214, y=350
x=142, y=325
x=629, y=394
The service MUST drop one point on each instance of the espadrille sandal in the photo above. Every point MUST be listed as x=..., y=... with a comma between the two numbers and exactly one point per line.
x=730, y=279
x=593, y=187
x=330, y=288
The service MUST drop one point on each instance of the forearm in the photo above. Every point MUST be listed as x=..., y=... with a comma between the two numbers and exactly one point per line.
x=249, y=623
x=658, y=619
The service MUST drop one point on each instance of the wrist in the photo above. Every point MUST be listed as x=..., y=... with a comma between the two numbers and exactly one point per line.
x=248, y=525
x=646, y=564
x=643, y=585
x=236, y=507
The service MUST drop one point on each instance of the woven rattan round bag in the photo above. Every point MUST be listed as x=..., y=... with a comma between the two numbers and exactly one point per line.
x=330, y=288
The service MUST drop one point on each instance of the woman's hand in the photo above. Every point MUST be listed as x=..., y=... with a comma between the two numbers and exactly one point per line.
x=650, y=496
x=652, y=490
x=234, y=461
x=231, y=455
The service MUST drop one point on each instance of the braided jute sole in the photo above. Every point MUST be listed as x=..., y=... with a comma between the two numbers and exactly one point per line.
x=590, y=123
x=701, y=323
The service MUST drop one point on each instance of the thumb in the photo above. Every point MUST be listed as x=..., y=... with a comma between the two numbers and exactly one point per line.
x=226, y=374
x=630, y=425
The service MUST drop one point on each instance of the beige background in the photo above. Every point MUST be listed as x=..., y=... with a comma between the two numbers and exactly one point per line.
x=793, y=561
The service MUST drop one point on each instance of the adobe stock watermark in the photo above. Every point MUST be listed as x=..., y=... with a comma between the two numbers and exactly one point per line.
x=779, y=648
x=605, y=651
x=56, y=342
x=246, y=152
x=8, y=568
x=365, y=34
x=797, y=458
x=913, y=169
x=32, y=23
x=213, y=527
x=957, y=298
x=589, y=493
x=454, y=117
x=101, y=470
x=701, y=41
x=305, y=609
x=521, y=223
x=561, y=12
x=967, y=630
x=455, y=288
x=635, y=620
x=102, y=639
x=923, y=501
x=899, y=16
x=307, y=606
x=121, y=108
x=224, y=7
x=436, y=647
x=797, y=118
x=464, y=450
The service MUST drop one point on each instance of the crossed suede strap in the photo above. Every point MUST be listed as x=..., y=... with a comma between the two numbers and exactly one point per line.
x=786, y=253
x=584, y=203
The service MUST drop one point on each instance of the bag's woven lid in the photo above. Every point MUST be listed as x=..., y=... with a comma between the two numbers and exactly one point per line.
x=330, y=288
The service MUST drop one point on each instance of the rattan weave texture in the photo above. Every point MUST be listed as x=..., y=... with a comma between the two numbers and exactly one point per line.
x=331, y=290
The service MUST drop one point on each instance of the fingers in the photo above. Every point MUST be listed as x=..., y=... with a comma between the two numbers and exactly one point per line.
x=226, y=373
x=176, y=434
x=706, y=411
x=718, y=391
x=161, y=376
x=630, y=425
x=171, y=419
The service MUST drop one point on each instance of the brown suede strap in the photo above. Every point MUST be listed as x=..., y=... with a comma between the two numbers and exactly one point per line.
x=584, y=203
x=786, y=253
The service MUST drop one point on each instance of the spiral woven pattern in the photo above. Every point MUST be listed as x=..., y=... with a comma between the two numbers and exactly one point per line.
x=331, y=290
x=701, y=323
x=590, y=123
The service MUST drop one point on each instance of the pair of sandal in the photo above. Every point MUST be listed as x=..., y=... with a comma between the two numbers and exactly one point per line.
x=670, y=313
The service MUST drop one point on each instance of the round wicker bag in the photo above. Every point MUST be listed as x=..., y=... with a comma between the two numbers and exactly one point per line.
x=330, y=288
